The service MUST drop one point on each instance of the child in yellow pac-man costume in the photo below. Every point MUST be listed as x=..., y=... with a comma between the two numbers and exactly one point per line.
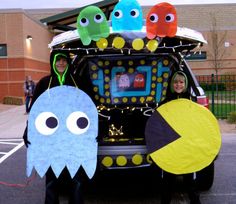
x=182, y=137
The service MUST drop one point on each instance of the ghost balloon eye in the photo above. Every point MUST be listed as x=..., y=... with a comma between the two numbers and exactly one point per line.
x=134, y=13
x=77, y=122
x=118, y=14
x=84, y=22
x=98, y=18
x=51, y=122
x=153, y=18
x=82, y=122
x=170, y=17
x=46, y=123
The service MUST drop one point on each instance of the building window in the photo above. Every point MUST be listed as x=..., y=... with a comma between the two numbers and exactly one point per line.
x=196, y=56
x=3, y=50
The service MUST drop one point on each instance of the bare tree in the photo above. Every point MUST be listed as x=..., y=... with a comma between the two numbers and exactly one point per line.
x=216, y=46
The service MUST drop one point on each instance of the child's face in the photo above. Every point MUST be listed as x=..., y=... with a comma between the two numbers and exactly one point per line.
x=61, y=65
x=179, y=84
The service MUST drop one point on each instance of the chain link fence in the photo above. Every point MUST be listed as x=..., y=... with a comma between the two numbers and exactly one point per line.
x=221, y=91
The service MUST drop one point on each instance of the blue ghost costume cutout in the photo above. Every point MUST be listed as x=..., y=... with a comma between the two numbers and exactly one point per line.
x=62, y=129
x=127, y=16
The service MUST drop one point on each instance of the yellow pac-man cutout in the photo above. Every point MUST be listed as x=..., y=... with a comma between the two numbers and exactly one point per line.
x=182, y=136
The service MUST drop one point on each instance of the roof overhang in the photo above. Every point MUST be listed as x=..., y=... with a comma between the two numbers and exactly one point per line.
x=64, y=21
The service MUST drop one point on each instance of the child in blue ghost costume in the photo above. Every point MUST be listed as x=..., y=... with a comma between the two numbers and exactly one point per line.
x=61, y=74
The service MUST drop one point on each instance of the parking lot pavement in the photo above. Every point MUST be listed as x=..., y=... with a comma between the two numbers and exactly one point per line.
x=12, y=121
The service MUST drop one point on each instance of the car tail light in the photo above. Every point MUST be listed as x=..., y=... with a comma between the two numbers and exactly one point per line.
x=203, y=100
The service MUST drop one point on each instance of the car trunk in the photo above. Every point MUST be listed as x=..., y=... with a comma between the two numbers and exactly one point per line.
x=125, y=89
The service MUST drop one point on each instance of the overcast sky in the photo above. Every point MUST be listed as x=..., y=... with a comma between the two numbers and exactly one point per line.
x=37, y=4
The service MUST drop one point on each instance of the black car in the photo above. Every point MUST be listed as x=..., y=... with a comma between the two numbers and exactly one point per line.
x=126, y=85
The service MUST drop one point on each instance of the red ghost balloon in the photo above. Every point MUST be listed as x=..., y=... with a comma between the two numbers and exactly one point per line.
x=161, y=21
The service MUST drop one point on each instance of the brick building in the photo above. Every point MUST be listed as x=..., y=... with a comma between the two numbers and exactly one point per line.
x=21, y=55
x=216, y=22
x=23, y=51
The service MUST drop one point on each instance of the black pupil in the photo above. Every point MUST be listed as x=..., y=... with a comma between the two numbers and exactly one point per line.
x=98, y=17
x=51, y=122
x=83, y=20
x=132, y=13
x=167, y=18
x=82, y=122
x=117, y=14
x=152, y=18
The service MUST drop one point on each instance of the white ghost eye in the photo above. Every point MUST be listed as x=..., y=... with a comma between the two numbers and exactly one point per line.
x=118, y=14
x=77, y=122
x=98, y=18
x=170, y=17
x=134, y=13
x=153, y=18
x=46, y=123
x=84, y=22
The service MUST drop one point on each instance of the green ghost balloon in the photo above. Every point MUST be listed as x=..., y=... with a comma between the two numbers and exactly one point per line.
x=92, y=25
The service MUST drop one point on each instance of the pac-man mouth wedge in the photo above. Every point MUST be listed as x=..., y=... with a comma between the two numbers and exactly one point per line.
x=182, y=136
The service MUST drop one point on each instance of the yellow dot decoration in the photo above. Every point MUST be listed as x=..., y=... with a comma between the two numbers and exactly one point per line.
x=119, y=62
x=165, y=62
x=130, y=63
x=107, y=86
x=107, y=161
x=108, y=100
x=116, y=100
x=118, y=42
x=107, y=93
x=100, y=63
x=107, y=79
x=125, y=100
x=102, y=100
x=154, y=63
x=138, y=44
x=95, y=89
x=153, y=86
x=159, y=79
x=153, y=93
x=94, y=67
x=165, y=84
x=102, y=43
x=137, y=159
x=164, y=92
x=107, y=63
x=152, y=45
x=165, y=75
x=131, y=70
x=142, y=99
x=154, y=78
x=154, y=70
x=94, y=76
x=96, y=97
x=142, y=62
x=121, y=160
x=106, y=71
x=133, y=99
x=149, y=98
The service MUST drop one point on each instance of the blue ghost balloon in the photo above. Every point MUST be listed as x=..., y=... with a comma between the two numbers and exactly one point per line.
x=62, y=129
x=127, y=15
